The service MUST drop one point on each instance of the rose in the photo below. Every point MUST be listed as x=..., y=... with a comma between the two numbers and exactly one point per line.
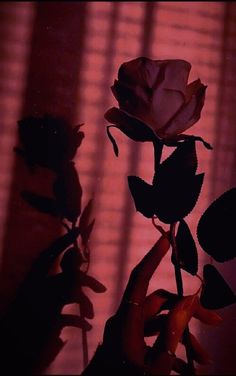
x=155, y=99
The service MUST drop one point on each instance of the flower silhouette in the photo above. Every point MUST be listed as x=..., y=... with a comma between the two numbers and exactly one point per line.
x=48, y=141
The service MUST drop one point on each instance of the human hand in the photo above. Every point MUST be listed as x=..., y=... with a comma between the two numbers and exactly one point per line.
x=124, y=349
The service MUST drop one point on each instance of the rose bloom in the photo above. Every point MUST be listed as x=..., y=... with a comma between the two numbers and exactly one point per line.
x=155, y=98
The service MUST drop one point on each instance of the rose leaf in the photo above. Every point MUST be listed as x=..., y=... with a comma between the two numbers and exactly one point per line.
x=175, y=198
x=187, y=250
x=216, y=293
x=142, y=193
x=181, y=162
x=216, y=227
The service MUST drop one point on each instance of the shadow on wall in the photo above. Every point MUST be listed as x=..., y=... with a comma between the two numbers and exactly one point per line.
x=34, y=321
x=52, y=87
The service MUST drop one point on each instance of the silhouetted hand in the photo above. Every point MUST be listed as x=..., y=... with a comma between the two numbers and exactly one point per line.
x=30, y=330
x=124, y=350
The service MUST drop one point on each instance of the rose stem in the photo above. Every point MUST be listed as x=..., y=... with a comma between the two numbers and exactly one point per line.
x=158, y=146
x=84, y=333
x=84, y=346
x=179, y=284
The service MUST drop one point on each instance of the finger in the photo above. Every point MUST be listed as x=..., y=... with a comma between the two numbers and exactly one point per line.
x=154, y=326
x=86, y=306
x=140, y=276
x=51, y=350
x=167, y=342
x=130, y=310
x=162, y=365
x=73, y=320
x=91, y=282
x=45, y=260
x=177, y=320
x=162, y=299
x=181, y=367
x=158, y=300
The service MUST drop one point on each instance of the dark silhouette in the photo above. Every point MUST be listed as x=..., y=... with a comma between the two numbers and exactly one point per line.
x=124, y=350
x=30, y=328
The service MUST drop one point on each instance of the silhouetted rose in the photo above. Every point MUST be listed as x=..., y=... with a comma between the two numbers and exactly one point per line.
x=49, y=142
x=153, y=95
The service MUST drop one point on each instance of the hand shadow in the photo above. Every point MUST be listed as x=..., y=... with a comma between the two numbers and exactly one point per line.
x=35, y=316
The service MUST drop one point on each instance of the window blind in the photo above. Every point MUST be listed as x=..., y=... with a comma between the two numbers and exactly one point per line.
x=15, y=29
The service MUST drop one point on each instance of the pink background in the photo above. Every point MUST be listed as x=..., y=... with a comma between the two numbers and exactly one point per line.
x=62, y=58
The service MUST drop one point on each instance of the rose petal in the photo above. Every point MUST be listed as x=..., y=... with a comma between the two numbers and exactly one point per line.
x=121, y=91
x=133, y=100
x=188, y=115
x=166, y=103
x=132, y=127
x=192, y=89
x=153, y=70
x=176, y=75
x=136, y=101
x=141, y=71
x=154, y=92
x=169, y=93
x=161, y=74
